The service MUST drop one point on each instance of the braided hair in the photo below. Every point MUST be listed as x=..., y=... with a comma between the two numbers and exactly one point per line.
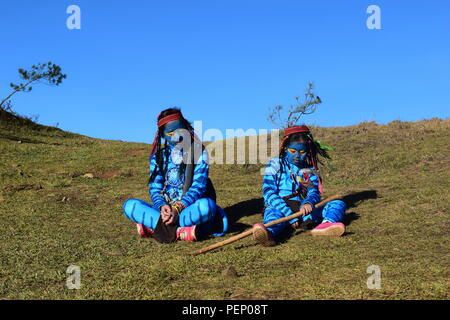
x=162, y=153
x=315, y=150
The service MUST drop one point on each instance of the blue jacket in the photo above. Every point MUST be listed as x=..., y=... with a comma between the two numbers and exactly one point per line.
x=277, y=184
x=171, y=185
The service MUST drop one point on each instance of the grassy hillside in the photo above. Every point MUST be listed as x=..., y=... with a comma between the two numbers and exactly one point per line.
x=53, y=216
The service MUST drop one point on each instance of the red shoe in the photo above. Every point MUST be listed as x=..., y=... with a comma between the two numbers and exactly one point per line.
x=329, y=229
x=262, y=235
x=144, y=231
x=187, y=233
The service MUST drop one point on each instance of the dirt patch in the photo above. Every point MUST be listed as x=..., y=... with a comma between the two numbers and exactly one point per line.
x=107, y=174
x=124, y=197
x=75, y=198
x=23, y=187
x=99, y=174
x=71, y=196
x=135, y=152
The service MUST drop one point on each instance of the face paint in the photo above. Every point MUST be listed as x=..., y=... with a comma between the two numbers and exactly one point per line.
x=172, y=132
x=297, y=153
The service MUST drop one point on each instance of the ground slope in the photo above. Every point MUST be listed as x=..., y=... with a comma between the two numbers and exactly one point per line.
x=53, y=217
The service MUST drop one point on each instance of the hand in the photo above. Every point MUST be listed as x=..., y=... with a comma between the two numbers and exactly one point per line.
x=173, y=217
x=165, y=213
x=306, y=209
x=295, y=225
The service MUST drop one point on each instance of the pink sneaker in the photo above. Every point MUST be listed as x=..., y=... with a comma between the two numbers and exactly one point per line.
x=144, y=231
x=329, y=229
x=187, y=233
x=262, y=235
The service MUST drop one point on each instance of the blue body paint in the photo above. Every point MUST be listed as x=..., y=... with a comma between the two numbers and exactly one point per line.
x=297, y=153
x=172, y=132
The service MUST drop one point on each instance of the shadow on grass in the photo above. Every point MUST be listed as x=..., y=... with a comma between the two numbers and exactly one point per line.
x=349, y=217
x=353, y=199
x=256, y=206
x=243, y=209
x=238, y=227
x=15, y=138
x=25, y=140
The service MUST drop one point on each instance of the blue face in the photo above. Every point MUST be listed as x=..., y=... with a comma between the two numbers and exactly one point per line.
x=172, y=132
x=297, y=153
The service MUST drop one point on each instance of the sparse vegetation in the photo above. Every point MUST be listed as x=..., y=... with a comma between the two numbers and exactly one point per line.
x=53, y=217
x=48, y=73
x=283, y=118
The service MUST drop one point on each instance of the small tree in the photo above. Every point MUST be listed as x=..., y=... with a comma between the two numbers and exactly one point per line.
x=48, y=73
x=295, y=112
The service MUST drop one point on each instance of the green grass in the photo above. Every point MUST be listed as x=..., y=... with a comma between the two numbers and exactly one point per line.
x=52, y=217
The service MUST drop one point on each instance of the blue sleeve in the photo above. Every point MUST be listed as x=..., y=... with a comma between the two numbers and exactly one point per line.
x=199, y=181
x=270, y=188
x=313, y=195
x=156, y=186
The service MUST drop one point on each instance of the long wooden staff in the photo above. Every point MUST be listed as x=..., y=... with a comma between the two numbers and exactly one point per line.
x=269, y=224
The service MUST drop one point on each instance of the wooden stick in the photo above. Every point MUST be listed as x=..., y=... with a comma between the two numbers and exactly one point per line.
x=250, y=232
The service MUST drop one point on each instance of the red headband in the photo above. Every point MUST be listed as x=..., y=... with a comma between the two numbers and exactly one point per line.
x=296, y=129
x=170, y=117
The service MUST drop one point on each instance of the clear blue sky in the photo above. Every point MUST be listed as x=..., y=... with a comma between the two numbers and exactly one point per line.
x=227, y=61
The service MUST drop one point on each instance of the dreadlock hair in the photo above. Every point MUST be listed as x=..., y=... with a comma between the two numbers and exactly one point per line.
x=315, y=149
x=162, y=153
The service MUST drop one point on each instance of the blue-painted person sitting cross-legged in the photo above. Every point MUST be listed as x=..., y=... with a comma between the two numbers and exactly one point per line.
x=292, y=183
x=181, y=192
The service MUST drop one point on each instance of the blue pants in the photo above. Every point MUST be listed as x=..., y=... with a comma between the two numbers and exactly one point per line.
x=333, y=211
x=201, y=213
